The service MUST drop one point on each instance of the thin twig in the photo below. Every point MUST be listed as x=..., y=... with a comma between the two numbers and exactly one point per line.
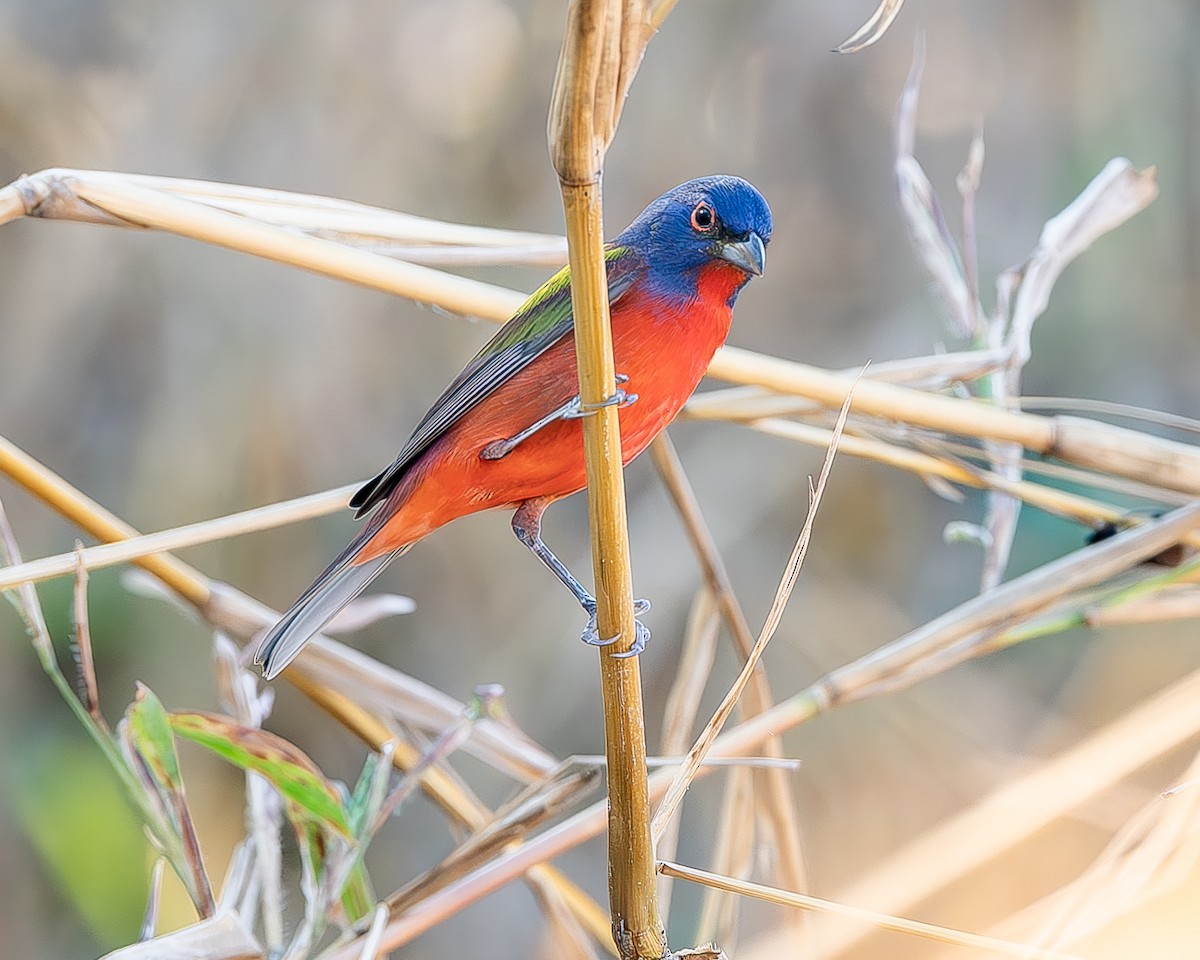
x=684, y=776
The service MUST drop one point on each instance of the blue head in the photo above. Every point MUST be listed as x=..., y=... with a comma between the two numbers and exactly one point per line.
x=711, y=220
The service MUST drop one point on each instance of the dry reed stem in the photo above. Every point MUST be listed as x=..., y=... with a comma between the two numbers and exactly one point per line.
x=205, y=531
x=603, y=44
x=953, y=637
x=1103, y=447
x=637, y=928
x=1058, y=502
x=882, y=921
x=873, y=29
x=1106, y=448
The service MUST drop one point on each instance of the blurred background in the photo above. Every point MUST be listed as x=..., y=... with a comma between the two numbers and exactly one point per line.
x=174, y=382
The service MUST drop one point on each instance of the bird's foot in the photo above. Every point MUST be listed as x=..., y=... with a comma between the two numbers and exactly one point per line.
x=591, y=633
x=620, y=398
x=573, y=409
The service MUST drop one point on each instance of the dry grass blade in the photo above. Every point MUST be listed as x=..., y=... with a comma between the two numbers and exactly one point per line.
x=774, y=798
x=882, y=921
x=84, y=661
x=873, y=29
x=927, y=227
x=695, y=757
x=206, y=531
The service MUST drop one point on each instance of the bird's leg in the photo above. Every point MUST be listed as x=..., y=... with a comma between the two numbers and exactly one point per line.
x=527, y=525
x=573, y=409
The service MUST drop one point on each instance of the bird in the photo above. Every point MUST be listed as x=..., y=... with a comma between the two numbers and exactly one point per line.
x=506, y=433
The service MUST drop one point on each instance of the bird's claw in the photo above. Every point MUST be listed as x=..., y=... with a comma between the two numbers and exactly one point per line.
x=591, y=632
x=573, y=409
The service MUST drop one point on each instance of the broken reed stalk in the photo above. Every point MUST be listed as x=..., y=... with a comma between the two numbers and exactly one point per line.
x=603, y=44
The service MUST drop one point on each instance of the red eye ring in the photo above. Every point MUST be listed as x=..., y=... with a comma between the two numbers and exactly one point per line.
x=703, y=217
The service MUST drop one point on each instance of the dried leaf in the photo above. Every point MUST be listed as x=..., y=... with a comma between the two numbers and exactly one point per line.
x=1117, y=193
x=873, y=29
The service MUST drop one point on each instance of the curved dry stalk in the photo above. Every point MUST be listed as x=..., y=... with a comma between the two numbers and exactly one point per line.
x=873, y=29
x=775, y=799
x=686, y=773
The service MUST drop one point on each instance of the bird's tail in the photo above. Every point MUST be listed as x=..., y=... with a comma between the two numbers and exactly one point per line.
x=342, y=581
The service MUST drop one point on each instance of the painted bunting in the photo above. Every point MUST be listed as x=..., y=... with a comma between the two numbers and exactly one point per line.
x=506, y=432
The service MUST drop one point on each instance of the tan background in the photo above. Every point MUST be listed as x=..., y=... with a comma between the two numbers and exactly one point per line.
x=174, y=382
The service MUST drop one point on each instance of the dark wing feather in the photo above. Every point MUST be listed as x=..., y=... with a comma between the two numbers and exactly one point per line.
x=542, y=321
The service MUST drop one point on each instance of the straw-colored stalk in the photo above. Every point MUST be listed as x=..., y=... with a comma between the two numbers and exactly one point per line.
x=602, y=47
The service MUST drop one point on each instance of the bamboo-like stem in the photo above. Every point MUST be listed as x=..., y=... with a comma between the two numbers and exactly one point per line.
x=602, y=47
x=637, y=927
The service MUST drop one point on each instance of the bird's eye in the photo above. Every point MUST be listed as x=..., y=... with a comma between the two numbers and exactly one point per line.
x=703, y=217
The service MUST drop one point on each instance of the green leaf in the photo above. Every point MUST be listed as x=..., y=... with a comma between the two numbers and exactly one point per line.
x=149, y=732
x=289, y=769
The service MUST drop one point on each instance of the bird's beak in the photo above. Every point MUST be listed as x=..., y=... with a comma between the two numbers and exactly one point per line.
x=749, y=254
